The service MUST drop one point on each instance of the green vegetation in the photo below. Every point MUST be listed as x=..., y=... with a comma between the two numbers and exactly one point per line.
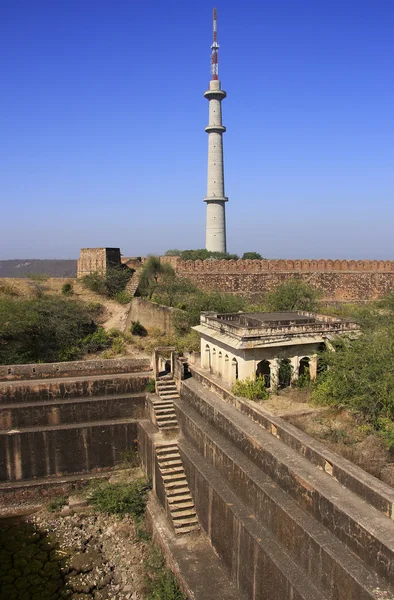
x=161, y=582
x=253, y=389
x=121, y=498
x=57, y=504
x=360, y=373
x=293, y=294
x=203, y=254
x=150, y=386
x=44, y=329
x=67, y=289
x=123, y=297
x=251, y=256
x=138, y=329
x=110, y=285
x=152, y=272
x=39, y=277
x=173, y=252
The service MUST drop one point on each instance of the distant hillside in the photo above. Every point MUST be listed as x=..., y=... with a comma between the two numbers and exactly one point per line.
x=53, y=268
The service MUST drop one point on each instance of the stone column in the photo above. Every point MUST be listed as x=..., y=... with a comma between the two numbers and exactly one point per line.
x=274, y=369
x=313, y=367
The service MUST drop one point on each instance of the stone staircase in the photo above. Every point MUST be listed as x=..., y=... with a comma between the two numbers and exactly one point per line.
x=164, y=407
x=179, y=499
x=132, y=284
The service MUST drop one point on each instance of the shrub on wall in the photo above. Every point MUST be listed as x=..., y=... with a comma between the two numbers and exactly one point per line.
x=253, y=389
x=203, y=254
x=251, y=256
x=138, y=329
x=113, y=283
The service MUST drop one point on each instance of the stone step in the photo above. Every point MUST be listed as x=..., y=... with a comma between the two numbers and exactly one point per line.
x=169, y=478
x=172, y=470
x=162, y=403
x=163, y=464
x=185, y=521
x=165, y=449
x=183, y=513
x=170, y=428
x=187, y=529
x=182, y=497
x=173, y=456
x=168, y=425
x=165, y=410
x=166, y=420
x=176, y=506
x=178, y=486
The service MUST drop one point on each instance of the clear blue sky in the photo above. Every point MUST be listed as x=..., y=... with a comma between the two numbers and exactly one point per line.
x=102, y=120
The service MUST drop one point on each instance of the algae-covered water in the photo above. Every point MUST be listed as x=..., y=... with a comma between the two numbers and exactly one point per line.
x=32, y=567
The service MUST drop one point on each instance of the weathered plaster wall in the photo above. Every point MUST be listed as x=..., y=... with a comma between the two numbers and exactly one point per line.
x=151, y=315
x=74, y=368
x=93, y=260
x=339, y=280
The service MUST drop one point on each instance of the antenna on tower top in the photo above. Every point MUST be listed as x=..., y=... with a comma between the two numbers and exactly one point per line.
x=215, y=50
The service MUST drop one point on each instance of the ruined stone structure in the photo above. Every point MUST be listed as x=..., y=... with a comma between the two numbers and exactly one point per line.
x=337, y=280
x=97, y=260
x=244, y=505
x=247, y=345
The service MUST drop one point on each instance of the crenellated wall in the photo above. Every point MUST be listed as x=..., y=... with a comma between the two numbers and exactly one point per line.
x=337, y=280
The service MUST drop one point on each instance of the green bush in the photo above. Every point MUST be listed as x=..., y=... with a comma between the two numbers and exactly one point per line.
x=138, y=329
x=67, y=289
x=360, y=375
x=251, y=256
x=57, y=504
x=294, y=294
x=161, y=582
x=111, y=284
x=121, y=498
x=123, y=297
x=203, y=254
x=44, y=329
x=253, y=389
x=94, y=342
x=150, y=386
x=173, y=252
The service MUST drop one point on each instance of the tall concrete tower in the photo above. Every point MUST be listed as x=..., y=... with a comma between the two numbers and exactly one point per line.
x=215, y=198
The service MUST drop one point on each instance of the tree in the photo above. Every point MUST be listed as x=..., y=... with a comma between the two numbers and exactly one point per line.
x=293, y=294
x=251, y=256
x=173, y=252
x=360, y=375
x=203, y=254
x=151, y=272
x=44, y=329
x=114, y=281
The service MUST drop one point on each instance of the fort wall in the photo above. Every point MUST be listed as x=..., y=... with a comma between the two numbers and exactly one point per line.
x=337, y=280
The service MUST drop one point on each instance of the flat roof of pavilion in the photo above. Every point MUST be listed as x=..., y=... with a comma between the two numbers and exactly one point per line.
x=252, y=330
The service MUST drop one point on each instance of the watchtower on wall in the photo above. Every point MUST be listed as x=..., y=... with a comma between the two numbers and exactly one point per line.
x=97, y=260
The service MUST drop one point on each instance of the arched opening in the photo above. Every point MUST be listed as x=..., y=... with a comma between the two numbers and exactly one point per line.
x=264, y=370
x=226, y=368
x=213, y=364
x=234, y=369
x=284, y=373
x=304, y=368
x=207, y=362
x=220, y=364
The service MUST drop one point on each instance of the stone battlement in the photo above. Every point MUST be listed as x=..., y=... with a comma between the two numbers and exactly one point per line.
x=305, y=265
